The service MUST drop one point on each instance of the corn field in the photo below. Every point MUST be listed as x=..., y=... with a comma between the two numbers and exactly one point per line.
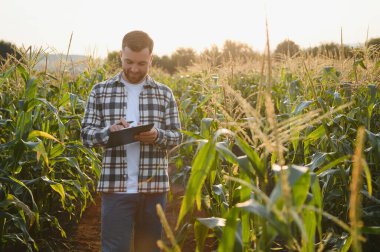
x=279, y=154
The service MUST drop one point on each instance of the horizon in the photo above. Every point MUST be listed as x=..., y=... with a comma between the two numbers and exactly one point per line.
x=54, y=52
x=98, y=29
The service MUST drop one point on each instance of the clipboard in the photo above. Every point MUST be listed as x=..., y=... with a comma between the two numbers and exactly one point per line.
x=126, y=136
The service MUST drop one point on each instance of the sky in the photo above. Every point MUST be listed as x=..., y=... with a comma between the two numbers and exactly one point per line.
x=98, y=26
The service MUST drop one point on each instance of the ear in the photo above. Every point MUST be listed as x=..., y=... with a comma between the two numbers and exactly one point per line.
x=121, y=55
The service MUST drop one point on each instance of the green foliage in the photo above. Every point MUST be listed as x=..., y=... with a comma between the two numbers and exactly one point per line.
x=213, y=56
x=373, y=42
x=287, y=47
x=6, y=49
x=183, y=58
x=180, y=60
x=258, y=185
x=237, y=51
x=236, y=181
x=113, y=62
x=331, y=50
x=165, y=63
x=47, y=176
x=373, y=47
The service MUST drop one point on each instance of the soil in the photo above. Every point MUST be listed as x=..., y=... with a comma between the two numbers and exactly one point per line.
x=86, y=236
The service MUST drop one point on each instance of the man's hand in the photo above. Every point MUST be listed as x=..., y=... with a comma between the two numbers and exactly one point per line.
x=148, y=137
x=119, y=125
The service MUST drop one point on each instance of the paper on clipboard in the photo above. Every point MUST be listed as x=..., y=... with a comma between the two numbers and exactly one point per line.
x=127, y=135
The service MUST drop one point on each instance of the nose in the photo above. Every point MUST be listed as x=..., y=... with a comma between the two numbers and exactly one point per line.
x=134, y=69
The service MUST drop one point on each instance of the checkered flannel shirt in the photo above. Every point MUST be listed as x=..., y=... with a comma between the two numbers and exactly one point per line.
x=107, y=103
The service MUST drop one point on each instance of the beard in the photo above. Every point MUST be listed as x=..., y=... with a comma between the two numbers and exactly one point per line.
x=134, y=77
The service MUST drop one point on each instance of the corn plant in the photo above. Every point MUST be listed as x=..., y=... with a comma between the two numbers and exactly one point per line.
x=309, y=119
x=46, y=175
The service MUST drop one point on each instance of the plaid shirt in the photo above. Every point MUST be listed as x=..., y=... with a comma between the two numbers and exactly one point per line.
x=106, y=104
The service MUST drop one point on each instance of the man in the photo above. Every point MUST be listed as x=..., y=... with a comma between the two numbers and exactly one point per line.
x=134, y=177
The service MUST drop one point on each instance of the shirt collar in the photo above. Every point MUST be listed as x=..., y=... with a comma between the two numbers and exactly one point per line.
x=149, y=80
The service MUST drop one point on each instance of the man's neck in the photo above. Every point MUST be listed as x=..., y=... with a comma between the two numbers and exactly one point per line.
x=127, y=81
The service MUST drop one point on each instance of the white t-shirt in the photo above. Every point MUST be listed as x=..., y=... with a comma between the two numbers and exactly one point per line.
x=133, y=149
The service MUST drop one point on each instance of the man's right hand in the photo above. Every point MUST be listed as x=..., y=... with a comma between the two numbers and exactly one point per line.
x=119, y=125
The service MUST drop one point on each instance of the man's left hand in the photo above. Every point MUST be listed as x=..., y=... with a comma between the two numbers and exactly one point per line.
x=148, y=137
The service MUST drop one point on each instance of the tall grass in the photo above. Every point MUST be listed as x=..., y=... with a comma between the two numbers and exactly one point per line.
x=355, y=187
x=252, y=139
x=47, y=176
x=281, y=153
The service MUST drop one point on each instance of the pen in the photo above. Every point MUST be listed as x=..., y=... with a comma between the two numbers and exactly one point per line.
x=127, y=122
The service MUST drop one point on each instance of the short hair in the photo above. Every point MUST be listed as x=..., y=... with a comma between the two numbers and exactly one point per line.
x=137, y=41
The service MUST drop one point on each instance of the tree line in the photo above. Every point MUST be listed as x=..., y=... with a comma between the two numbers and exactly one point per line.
x=183, y=58
x=231, y=51
x=6, y=49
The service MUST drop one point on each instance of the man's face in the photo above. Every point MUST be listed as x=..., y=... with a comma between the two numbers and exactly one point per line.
x=135, y=65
